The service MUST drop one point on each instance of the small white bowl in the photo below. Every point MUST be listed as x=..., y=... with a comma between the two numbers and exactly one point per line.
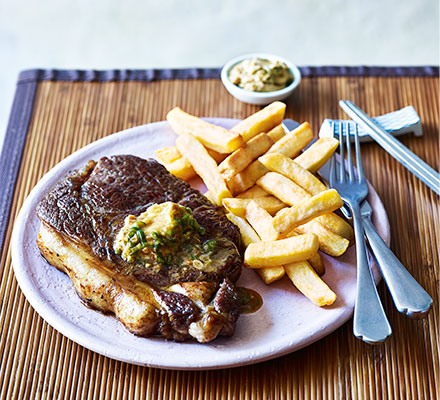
x=260, y=98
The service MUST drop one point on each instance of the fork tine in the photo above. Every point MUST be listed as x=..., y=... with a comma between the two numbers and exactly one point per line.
x=359, y=166
x=349, y=156
x=333, y=164
x=341, y=154
x=332, y=176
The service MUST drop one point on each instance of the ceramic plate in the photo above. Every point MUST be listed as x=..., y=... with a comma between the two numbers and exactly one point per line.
x=287, y=321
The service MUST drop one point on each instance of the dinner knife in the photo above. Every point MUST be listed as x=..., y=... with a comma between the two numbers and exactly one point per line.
x=400, y=152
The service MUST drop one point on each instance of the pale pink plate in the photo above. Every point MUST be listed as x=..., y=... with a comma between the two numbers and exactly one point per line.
x=287, y=321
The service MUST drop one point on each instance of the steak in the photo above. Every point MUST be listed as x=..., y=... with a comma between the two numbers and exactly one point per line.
x=80, y=219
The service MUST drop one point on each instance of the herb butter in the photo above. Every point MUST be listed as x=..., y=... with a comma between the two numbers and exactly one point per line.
x=157, y=233
x=261, y=75
x=167, y=234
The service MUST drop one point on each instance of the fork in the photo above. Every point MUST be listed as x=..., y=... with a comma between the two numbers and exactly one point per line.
x=370, y=322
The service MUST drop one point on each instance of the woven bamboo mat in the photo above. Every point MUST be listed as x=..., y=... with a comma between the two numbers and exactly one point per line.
x=38, y=362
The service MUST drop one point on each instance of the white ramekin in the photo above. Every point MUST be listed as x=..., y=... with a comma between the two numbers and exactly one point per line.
x=260, y=98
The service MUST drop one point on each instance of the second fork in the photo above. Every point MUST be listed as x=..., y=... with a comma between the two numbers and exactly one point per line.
x=370, y=322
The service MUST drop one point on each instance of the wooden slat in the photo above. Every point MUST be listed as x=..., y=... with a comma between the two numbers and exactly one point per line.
x=38, y=362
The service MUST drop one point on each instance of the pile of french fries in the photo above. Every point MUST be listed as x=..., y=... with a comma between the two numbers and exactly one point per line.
x=266, y=183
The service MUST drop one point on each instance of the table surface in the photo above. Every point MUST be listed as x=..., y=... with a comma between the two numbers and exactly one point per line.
x=56, y=113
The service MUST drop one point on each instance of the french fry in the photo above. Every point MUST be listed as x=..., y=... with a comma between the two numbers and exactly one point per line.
x=291, y=144
x=173, y=161
x=289, y=218
x=316, y=260
x=280, y=252
x=283, y=188
x=309, y=283
x=317, y=154
x=248, y=234
x=276, y=133
x=167, y=155
x=270, y=274
x=291, y=193
x=218, y=157
x=170, y=154
x=238, y=206
x=337, y=225
x=242, y=157
x=254, y=192
x=261, y=221
x=212, y=136
x=204, y=165
x=278, y=162
x=246, y=178
x=317, y=263
x=329, y=242
x=181, y=168
x=262, y=121
x=210, y=197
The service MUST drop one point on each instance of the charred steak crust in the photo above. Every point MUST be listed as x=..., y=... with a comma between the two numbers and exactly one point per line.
x=90, y=204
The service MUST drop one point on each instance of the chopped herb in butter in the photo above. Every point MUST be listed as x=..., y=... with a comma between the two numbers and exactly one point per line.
x=161, y=234
x=261, y=75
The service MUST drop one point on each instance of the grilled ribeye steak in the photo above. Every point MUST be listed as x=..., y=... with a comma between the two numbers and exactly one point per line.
x=174, y=295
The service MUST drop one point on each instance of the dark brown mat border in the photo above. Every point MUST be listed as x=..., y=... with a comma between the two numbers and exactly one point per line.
x=12, y=150
x=211, y=73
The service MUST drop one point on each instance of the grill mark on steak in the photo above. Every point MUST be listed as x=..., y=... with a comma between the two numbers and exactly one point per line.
x=89, y=206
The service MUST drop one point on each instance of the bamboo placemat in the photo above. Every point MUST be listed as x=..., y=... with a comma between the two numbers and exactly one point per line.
x=58, y=112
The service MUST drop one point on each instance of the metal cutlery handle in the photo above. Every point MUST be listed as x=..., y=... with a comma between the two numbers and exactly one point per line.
x=408, y=296
x=401, y=153
x=370, y=322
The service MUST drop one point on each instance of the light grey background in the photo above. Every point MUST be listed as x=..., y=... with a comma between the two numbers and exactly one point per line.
x=103, y=34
